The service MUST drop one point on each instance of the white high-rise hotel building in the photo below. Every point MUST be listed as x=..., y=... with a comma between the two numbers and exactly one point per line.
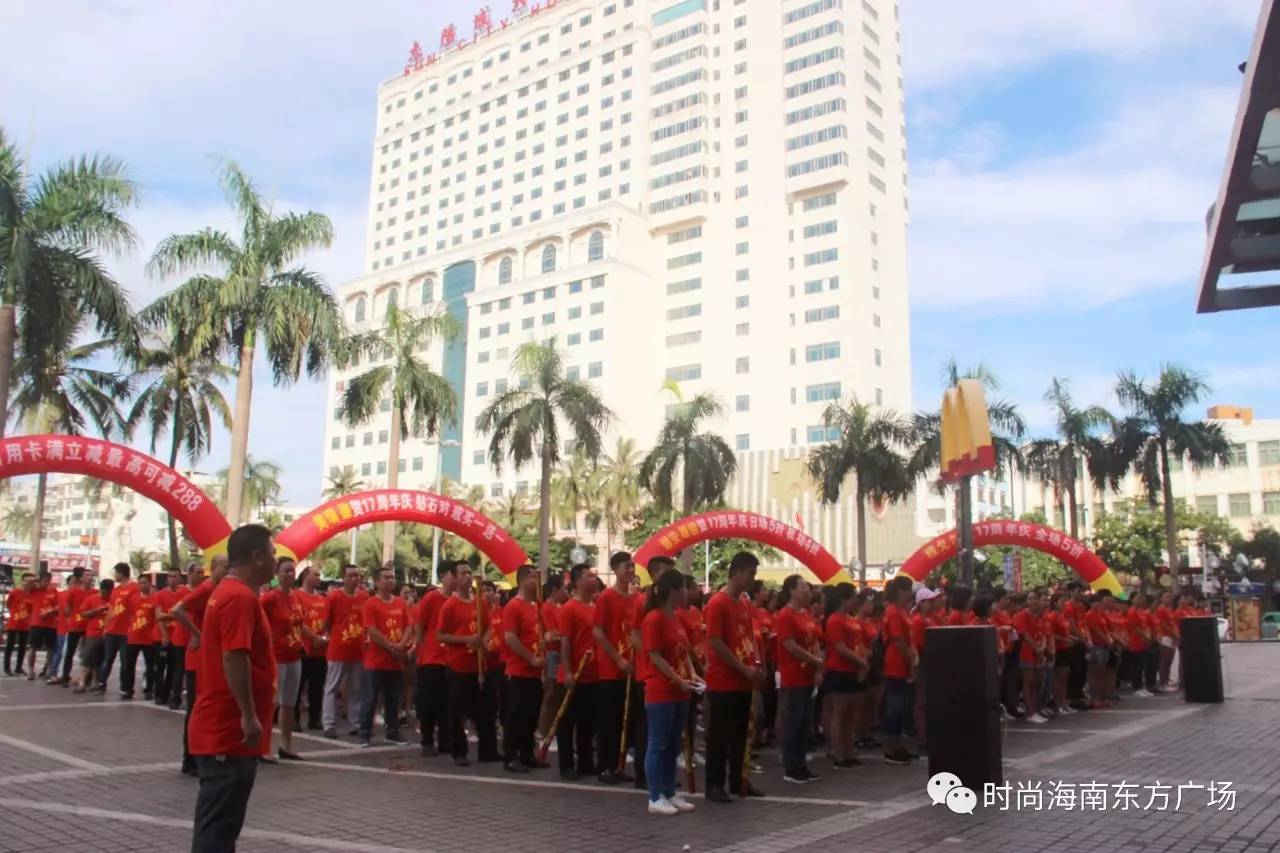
x=711, y=191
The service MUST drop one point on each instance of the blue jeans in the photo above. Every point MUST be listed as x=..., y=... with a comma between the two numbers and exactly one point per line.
x=666, y=730
x=112, y=644
x=55, y=657
x=895, y=705
x=796, y=706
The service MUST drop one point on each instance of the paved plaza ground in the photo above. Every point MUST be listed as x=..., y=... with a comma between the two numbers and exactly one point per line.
x=100, y=775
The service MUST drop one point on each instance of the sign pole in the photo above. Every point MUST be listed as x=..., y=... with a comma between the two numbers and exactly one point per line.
x=964, y=526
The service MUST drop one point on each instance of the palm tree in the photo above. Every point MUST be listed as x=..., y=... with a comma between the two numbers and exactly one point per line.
x=141, y=559
x=574, y=487
x=704, y=461
x=52, y=232
x=525, y=423
x=57, y=391
x=260, y=486
x=17, y=522
x=421, y=400
x=257, y=291
x=1156, y=429
x=182, y=399
x=869, y=446
x=1059, y=460
x=619, y=489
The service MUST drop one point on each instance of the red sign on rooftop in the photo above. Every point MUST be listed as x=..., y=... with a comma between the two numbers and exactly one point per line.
x=482, y=27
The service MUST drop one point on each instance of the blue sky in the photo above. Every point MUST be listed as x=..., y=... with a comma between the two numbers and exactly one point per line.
x=1061, y=162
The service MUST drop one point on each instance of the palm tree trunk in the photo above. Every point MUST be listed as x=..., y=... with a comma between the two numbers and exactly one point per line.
x=862, y=539
x=240, y=432
x=173, y=463
x=686, y=509
x=393, y=481
x=37, y=521
x=1170, y=526
x=8, y=332
x=544, y=514
x=1074, y=527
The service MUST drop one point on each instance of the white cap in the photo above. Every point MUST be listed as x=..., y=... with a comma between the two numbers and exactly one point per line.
x=926, y=594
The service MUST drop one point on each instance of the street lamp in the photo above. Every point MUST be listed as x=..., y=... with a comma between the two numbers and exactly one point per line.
x=435, y=535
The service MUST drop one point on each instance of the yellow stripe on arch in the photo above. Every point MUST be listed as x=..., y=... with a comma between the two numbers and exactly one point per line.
x=1108, y=581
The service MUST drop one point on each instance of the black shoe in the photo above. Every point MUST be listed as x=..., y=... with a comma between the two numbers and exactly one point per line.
x=364, y=743
x=289, y=756
x=190, y=770
x=461, y=761
x=268, y=759
x=535, y=764
x=846, y=764
x=753, y=791
x=147, y=694
x=568, y=774
x=718, y=795
x=797, y=777
x=127, y=697
x=331, y=734
x=515, y=767
x=609, y=777
x=811, y=776
x=394, y=739
x=19, y=671
x=175, y=705
x=429, y=750
x=899, y=757
x=625, y=776
x=354, y=732
x=488, y=759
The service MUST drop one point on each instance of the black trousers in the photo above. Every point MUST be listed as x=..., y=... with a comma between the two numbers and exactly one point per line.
x=160, y=686
x=1078, y=670
x=225, y=786
x=186, y=720
x=638, y=734
x=129, y=667
x=522, y=702
x=611, y=696
x=177, y=675
x=389, y=684
x=69, y=653
x=728, y=714
x=577, y=729
x=431, y=703
x=469, y=700
x=14, y=639
x=769, y=696
x=1151, y=666
x=111, y=644
x=314, y=671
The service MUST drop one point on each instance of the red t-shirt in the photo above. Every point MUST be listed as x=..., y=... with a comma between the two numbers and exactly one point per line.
x=118, y=611
x=44, y=608
x=960, y=617
x=667, y=636
x=762, y=628
x=68, y=604
x=918, y=625
x=391, y=618
x=178, y=634
x=430, y=650
x=142, y=624
x=895, y=626
x=729, y=620
x=638, y=602
x=691, y=618
x=346, y=625
x=1098, y=627
x=1119, y=627
x=520, y=617
x=495, y=647
x=1137, y=621
x=576, y=620
x=1058, y=626
x=234, y=621
x=284, y=616
x=19, y=604
x=75, y=601
x=313, y=609
x=843, y=628
x=797, y=625
x=165, y=599
x=1031, y=629
x=458, y=617
x=613, y=611
x=93, y=626
x=194, y=603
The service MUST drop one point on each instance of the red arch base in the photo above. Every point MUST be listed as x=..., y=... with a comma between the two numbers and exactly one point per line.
x=678, y=535
x=341, y=514
x=115, y=463
x=1055, y=543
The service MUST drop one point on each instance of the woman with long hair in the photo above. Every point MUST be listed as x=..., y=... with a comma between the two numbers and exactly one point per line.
x=800, y=668
x=845, y=663
x=668, y=684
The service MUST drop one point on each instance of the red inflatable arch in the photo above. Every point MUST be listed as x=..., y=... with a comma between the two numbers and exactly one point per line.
x=1055, y=543
x=115, y=463
x=678, y=535
x=341, y=514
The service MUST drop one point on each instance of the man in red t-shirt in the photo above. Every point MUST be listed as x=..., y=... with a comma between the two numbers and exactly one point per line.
x=386, y=619
x=283, y=609
x=525, y=665
x=1098, y=642
x=464, y=637
x=43, y=630
x=611, y=631
x=141, y=637
x=230, y=725
x=18, y=623
x=579, y=675
x=179, y=636
x=189, y=613
x=116, y=637
x=70, y=627
x=344, y=628
x=314, y=665
x=166, y=598
x=899, y=667
x=93, y=615
x=734, y=671
x=554, y=595
x=431, y=699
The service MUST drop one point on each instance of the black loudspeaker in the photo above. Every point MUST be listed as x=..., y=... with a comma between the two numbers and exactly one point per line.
x=962, y=704
x=1201, y=659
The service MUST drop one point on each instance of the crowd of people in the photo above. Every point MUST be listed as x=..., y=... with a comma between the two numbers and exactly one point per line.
x=621, y=679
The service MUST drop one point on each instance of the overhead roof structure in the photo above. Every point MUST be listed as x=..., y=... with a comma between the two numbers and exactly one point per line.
x=1242, y=260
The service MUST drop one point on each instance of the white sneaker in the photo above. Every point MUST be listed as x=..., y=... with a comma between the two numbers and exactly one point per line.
x=1144, y=693
x=1037, y=719
x=662, y=806
x=681, y=803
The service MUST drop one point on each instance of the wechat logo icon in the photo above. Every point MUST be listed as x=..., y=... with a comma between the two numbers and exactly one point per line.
x=946, y=789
